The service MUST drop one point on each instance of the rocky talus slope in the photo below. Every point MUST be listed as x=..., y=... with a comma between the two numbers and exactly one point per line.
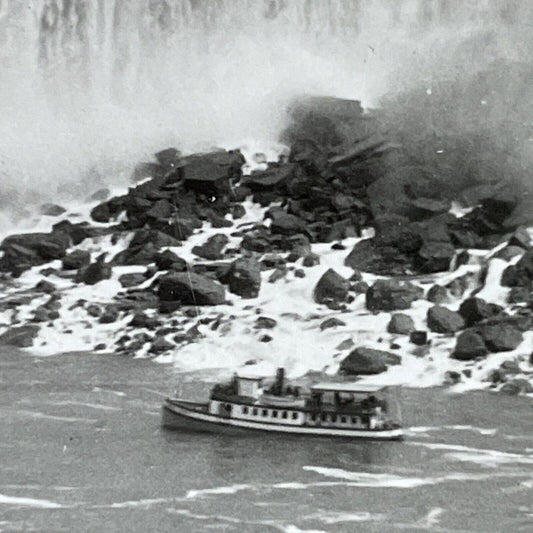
x=343, y=256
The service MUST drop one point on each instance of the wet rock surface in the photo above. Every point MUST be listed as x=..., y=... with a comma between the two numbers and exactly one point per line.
x=346, y=221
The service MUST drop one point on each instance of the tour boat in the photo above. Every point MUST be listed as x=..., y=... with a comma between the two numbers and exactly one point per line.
x=329, y=409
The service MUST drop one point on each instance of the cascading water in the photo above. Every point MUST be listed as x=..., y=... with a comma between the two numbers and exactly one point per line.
x=87, y=88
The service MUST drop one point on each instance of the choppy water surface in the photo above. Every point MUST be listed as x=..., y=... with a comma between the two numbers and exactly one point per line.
x=82, y=450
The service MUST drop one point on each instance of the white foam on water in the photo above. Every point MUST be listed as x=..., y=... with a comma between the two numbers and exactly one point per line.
x=484, y=457
x=416, y=430
x=291, y=528
x=28, y=502
x=117, y=393
x=88, y=405
x=432, y=518
x=140, y=503
x=333, y=517
x=232, y=489
x=45, y=416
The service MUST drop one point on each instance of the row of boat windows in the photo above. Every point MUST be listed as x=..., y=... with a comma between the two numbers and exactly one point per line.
x=264, y=412
x=324, y=417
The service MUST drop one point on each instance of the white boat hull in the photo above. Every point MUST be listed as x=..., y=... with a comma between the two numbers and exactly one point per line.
x=181, y=416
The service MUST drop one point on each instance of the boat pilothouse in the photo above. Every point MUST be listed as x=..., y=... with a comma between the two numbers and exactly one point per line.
x=336, y=409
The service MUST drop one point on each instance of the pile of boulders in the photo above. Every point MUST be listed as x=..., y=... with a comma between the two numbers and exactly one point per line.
x=343, y=174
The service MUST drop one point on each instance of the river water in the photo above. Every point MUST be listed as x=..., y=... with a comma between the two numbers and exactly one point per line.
x=82, y=449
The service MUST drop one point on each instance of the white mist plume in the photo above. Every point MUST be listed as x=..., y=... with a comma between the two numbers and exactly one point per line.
x=88, y=88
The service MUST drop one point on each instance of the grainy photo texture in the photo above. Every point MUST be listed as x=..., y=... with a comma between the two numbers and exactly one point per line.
x=266, y=266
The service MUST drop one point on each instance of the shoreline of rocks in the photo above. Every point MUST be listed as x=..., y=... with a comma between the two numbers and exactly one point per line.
x=337, y=183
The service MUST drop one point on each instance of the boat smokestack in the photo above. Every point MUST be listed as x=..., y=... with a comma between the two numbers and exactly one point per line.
x=280, y=379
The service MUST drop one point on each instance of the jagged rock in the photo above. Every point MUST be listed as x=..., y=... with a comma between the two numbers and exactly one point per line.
x=142, y=320
x=264, y=322
x=517, y=386
x=237, y=211
x=299, y=273
x=392, y=294
x=277, y=274
x=109, y=315
x=286, y=224
x=400, y=324
x=474, y=310
x=161, y=209
x=435, y=256
x=509, y=252
x=345, y=345
x=94, y=310
x=520, y=238
x=272, y=261
x=212, y=248
x=437, y=294
x=265, y=338
x=94, y=272
x=45, y=286
x=442, y=320
x=275, y=177
x=51, y=210
x=331, y=323
x=132, y=279
x=161, y=345
x=211, y=173
x=76, y=260
x=168, y=158
x=168, y=260
x=364, y=361
x=144, y=247
x=110, y=209
x=22, y=336
x=31, y=249
x=311, y=260
x=361, y=287
x=80, y=231
x=500, y=337
x=469, y=345
x=190, y=289
x=244, y=277
x=519, y=295
x=418, y=337
x=451, y=377
x=331, y=287
x=521, y=274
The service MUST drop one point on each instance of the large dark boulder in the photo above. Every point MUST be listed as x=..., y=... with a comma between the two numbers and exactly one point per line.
x=521, y=274
x=442, y=320
x=469, y=345
x=500, y=337
x=286, y=224
x=211, y=173
x=76, y=259
x=331, y=287
x=191, y=289
x=364, y=361
x=392, y=294
x=274, y=177
x=168, y=260
x=244, y=277
x=212, y=248
x=94, y=272
x=22, y=336
x=106, y=211
x=144, y=247
x=474, y=310
x=25, y=250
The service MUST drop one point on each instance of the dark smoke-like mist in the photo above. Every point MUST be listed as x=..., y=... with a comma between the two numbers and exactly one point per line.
x=88, y=88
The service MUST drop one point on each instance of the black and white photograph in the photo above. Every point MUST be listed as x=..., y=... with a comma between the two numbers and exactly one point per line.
x=266, y=266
